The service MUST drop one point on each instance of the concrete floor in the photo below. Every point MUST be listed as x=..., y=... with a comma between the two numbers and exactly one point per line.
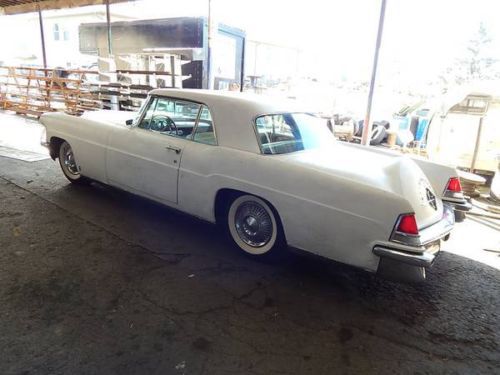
x=94, y=280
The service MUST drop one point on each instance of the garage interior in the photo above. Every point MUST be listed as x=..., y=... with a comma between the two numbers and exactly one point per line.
x=97, y=280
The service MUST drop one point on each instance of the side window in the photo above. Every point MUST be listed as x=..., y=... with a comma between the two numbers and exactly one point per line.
x=146, y=120
x=172, y=117
x=205, y=132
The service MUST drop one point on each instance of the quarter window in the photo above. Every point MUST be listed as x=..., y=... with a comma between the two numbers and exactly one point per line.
x=205, y=130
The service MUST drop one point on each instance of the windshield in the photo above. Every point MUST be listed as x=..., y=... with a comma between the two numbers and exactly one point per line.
x=291, y=132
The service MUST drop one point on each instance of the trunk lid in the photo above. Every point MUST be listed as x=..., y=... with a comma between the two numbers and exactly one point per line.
x=399, y=175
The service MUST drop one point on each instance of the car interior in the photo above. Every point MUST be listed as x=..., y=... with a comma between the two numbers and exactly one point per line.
x=179, y=119
x=278, y=134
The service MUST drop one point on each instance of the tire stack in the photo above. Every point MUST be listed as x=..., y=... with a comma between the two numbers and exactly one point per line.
x=379, y=131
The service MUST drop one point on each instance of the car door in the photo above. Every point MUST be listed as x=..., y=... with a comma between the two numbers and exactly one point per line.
x=144, y=158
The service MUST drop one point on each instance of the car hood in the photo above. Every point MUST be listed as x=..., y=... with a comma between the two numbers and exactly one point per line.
x=398, y=175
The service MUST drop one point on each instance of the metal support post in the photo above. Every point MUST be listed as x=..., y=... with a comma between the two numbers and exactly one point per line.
x=42, y=36
x=367, y=129
x=108, y=25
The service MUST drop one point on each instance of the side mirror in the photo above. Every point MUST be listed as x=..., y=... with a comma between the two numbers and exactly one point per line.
x=129, y=122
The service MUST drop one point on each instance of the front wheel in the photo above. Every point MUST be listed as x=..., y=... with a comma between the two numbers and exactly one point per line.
x=253, y=226
x=68, y=163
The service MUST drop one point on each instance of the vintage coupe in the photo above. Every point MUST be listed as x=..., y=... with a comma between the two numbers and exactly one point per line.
x=271, y=172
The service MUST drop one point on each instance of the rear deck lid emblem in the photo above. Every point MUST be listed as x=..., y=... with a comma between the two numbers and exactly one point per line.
x=431, y=198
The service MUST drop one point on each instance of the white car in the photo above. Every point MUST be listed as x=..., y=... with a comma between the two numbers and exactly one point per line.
x=272, y=173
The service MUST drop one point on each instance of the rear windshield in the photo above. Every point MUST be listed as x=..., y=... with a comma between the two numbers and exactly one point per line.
x=291, y=132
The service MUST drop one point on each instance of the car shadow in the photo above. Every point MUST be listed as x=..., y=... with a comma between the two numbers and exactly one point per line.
x=161, y=276
x=166, y=225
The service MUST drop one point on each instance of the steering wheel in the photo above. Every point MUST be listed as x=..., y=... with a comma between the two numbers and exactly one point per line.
x=162, y=123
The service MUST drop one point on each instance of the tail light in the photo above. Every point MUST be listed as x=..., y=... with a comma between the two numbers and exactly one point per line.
x=407, y=224
x=453, y=189
x=454, y=185
x=406, y=230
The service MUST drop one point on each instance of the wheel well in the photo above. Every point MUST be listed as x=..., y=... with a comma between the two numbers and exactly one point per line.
x=223, y=199
x=225, y=196
x=54, y=144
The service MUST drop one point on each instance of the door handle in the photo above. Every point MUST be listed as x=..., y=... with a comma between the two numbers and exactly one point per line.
x=177, y=150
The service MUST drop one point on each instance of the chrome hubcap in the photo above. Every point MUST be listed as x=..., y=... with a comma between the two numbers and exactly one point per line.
x=69, y=160
x=253, y=224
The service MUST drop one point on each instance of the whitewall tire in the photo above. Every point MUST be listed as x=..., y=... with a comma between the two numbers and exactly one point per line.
x=253, y=225
x=68, y=163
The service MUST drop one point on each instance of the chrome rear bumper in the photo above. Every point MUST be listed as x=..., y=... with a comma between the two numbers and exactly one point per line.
x=423, y=259
x=422, y=250
x=458, y=205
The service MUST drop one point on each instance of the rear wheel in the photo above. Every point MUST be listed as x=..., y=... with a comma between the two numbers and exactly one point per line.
x=253, y=226
x=68, y=163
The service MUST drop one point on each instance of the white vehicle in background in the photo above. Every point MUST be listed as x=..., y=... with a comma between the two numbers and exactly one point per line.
x=270, y=173
x=467, y=133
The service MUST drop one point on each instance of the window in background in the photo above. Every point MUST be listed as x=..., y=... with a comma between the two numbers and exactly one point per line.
x=56, y=32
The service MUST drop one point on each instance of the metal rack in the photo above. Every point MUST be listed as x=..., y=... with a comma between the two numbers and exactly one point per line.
x=34, y=90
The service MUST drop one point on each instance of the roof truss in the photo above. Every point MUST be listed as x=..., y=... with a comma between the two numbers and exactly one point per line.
x=27, y=6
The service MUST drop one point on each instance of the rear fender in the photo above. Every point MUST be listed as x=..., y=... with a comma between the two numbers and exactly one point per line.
x=437, y=174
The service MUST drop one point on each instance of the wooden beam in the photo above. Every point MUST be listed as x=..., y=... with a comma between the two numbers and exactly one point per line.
x=32, y=6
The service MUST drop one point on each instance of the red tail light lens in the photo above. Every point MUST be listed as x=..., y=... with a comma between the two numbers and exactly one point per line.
x=407, y=224
x=454, y=185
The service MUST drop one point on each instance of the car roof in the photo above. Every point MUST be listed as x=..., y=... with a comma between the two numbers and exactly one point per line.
x=233, y=113
x=259, y=103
